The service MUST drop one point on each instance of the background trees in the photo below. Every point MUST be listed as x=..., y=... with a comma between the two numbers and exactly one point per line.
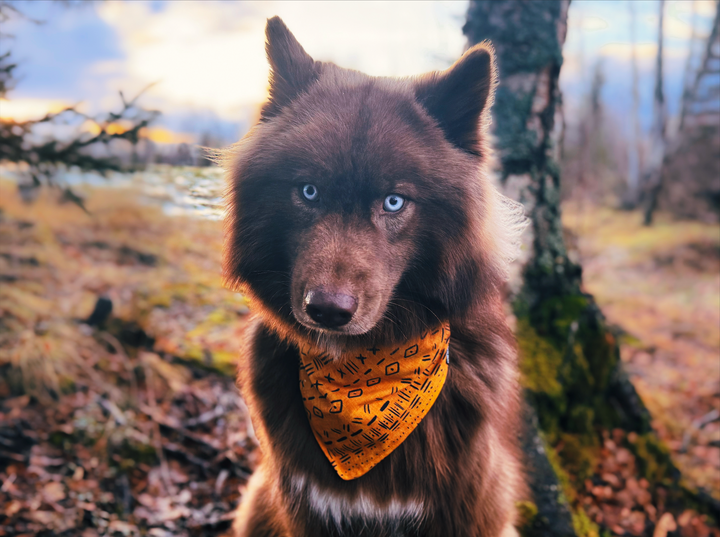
x=90, y=145
x=130, y=422
x=570, y=362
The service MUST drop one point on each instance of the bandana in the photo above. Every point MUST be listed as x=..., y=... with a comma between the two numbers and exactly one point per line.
x=364, y=405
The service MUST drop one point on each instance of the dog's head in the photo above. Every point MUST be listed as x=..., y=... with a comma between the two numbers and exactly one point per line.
x=358, y=205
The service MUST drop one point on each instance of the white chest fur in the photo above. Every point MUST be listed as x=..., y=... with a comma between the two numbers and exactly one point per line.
x=340, y=510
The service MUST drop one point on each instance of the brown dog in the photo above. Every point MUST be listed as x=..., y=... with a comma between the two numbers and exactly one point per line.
x=361, y=217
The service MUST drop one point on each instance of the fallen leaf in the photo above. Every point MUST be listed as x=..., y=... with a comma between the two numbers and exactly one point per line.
x=664, y=525
x=41, y=460
x=123, y=527
x=45, y=517
x=159, y=532
x=12, y=508
x=78, y=473
x=53, y=492
x=17, y=402
x=685, y=517
x=611, y=479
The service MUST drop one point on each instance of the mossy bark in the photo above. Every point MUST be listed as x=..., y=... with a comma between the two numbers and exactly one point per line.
x=569, y=357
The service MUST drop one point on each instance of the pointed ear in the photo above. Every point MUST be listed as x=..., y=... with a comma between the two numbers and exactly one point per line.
x=460, y=98
x=292, y=70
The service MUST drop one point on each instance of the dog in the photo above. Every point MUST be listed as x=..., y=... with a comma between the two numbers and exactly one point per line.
x=379, y=372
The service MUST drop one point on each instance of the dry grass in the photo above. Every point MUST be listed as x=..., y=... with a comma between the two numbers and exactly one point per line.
x=662, y=285
x=161, y=273
x=125, y=427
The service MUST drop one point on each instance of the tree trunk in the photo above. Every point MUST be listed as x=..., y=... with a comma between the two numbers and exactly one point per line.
x=568, y=356
x=691, y=169
x=653, y=177
x=632, y=195
x=528, y=38
x=689, y=71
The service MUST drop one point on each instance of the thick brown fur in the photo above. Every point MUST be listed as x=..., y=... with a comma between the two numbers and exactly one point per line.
x=443, y=256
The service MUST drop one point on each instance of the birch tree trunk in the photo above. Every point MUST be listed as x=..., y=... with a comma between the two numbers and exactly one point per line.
x=659, y=133
x=630, y=199
x=528, y=38
x=569, y=358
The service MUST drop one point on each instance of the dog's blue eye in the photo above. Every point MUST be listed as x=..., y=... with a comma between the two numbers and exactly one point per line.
x=393, y=203
x=310, y=192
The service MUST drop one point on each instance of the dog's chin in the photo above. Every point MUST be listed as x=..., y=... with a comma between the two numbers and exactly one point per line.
x=350, y=329
x=334, y=341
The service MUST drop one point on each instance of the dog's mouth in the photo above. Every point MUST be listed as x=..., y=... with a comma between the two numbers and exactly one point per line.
x=332, y=312
x=349, y=330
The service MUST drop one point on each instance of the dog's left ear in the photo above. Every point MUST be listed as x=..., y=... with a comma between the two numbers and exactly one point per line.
x=460, y=97
x=292, y=70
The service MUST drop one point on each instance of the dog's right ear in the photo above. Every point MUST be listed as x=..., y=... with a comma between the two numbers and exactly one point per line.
x=292, y=70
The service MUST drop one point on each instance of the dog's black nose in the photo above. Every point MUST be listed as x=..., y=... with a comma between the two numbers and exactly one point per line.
x=330, y=309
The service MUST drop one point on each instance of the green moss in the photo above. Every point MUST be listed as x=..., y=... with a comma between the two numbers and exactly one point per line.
x=59, y=439
x=578, y=454
x=567, y=358
x=526, y=514
x=539, y=361
x=131, y=452
x=653, y=459
x=628, y=340
x=567, y=492
x=581, y=419
x=223, y=362
x=555, y=316
x=574, y=454
x=526, y=39
x=584, y=527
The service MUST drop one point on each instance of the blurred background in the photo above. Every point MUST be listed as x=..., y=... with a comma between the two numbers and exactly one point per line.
x=118, y=412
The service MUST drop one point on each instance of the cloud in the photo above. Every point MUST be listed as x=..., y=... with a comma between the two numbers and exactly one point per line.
x=211, y=54
x=158, y=135
x=643, y=51
x=165, y=136
x=704, y=8
x=188, y=48
x=678, y=21
x=593, y=23
x=30, y=108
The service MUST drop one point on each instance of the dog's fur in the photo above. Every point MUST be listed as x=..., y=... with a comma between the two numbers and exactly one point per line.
x=443, y=256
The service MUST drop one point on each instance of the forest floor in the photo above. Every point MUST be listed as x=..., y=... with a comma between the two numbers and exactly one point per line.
x=660, y=286
x=130, y=423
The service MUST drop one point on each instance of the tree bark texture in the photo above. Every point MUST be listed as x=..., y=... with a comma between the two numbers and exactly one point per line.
x=569, y=358
x=528, y=38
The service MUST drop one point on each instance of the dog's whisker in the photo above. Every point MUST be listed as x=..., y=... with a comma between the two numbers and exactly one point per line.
x=421, y=305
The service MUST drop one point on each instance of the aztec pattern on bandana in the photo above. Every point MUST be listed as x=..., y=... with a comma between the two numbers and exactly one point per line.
x=364, y=405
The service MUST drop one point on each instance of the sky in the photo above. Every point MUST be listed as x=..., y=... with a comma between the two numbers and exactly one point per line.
x=207, y=64
x=600, y=31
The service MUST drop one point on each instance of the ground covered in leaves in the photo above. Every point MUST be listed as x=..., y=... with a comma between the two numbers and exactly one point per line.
x=661, y=287
x=118, y=410
x=122, y=422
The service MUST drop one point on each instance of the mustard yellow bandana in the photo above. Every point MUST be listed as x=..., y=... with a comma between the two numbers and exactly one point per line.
x=364, y=406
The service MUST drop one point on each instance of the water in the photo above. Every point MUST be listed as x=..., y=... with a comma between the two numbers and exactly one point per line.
x=184, y=190
x=179, y=190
